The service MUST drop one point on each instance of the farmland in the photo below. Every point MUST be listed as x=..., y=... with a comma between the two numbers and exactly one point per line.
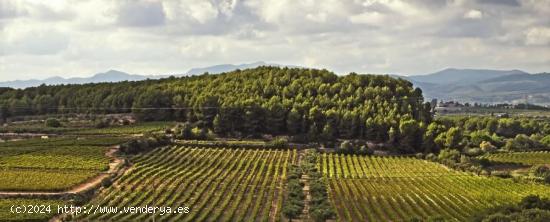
x=527, y=158
x=400, y=188
x=216, y=184
x=148, y=127
x=53, y=164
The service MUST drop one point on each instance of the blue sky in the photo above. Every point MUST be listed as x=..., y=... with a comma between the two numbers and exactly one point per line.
x=68, y=38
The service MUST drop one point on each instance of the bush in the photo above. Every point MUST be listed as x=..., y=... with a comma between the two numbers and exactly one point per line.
x=449, y=155
x=106, y=182
x=474, y=152
x=144, y=144
x=540, y=170
x=431, y=157
x=522, y=143
x=487, y=147
x=52, y=122
x=547, y=179
x=278, y=143
x=100, y=124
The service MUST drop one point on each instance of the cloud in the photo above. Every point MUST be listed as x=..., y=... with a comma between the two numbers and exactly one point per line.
x=473, y=14
x=141, y=13
x=63, y=37
x=500, y=2
x=10, y=9
x=538, y=36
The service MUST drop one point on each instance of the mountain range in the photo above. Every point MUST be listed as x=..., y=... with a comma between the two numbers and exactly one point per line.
x=118, y=76
x=463, y=85
x=484, y=86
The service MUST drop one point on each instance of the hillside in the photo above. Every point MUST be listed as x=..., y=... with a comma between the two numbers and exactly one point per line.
x=484, y=86
x=307, y=102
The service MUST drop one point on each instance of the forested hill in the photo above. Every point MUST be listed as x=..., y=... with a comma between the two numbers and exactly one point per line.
x=261, y=100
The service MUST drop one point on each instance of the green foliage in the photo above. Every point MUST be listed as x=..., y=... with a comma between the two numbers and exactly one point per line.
x=523, y=143
x=316, y=104
x=410, y=136
x=294, y=199
x=135, y=146
x=278, y=143
x=449, y=156
x=526, y=158
x=540, y=170
x=51, y=122
x=546, y=141
x=531, y=208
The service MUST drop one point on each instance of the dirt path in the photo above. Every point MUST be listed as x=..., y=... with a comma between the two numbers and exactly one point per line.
x=114, y=166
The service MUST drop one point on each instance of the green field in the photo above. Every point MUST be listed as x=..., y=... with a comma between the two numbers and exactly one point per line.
x=52, y=164
x=217, y=184
x=527, y=158
x=400, y=188
x=140, y=128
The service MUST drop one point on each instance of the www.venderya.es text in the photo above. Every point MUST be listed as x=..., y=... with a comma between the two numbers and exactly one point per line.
x=97, y=209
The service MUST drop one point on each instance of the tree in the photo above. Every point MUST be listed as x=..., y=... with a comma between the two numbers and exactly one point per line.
x=410, y=136
x=51, y=122
x=293, y=122
x=328, y=133
x=453, y=138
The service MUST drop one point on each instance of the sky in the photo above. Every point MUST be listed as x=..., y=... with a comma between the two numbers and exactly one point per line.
x=40, y=39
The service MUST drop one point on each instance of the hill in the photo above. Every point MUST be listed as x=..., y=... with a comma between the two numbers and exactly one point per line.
x=316, y=104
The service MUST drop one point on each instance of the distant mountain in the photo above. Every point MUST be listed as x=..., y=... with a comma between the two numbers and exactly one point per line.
x=463, y=76
x=230, y=67
x=109, y=76
x=484, y=86
x=118, y=76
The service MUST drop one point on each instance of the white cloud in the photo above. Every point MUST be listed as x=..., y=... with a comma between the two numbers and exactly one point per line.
x=370, y=18
x=67, y=37
x=473, y=14
x=538, y=36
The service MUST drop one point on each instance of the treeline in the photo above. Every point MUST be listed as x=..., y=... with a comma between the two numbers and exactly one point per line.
x=531, y=208
x=486, y=133
x=309, y=104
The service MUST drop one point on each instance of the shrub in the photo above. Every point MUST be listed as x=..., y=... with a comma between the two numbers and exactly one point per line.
x=487, y=147
x=450, y=155
x=540, y=170
x=346, y=147
x=431, y=157
x=278, y=143
x=522, y=143
x=52, y=122
x=102, y=123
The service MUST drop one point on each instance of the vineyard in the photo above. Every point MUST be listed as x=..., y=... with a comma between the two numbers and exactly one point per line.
x=140, y=128
x=527, y=158
x=401, y=188
x=216, y=184
x=52, y=164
